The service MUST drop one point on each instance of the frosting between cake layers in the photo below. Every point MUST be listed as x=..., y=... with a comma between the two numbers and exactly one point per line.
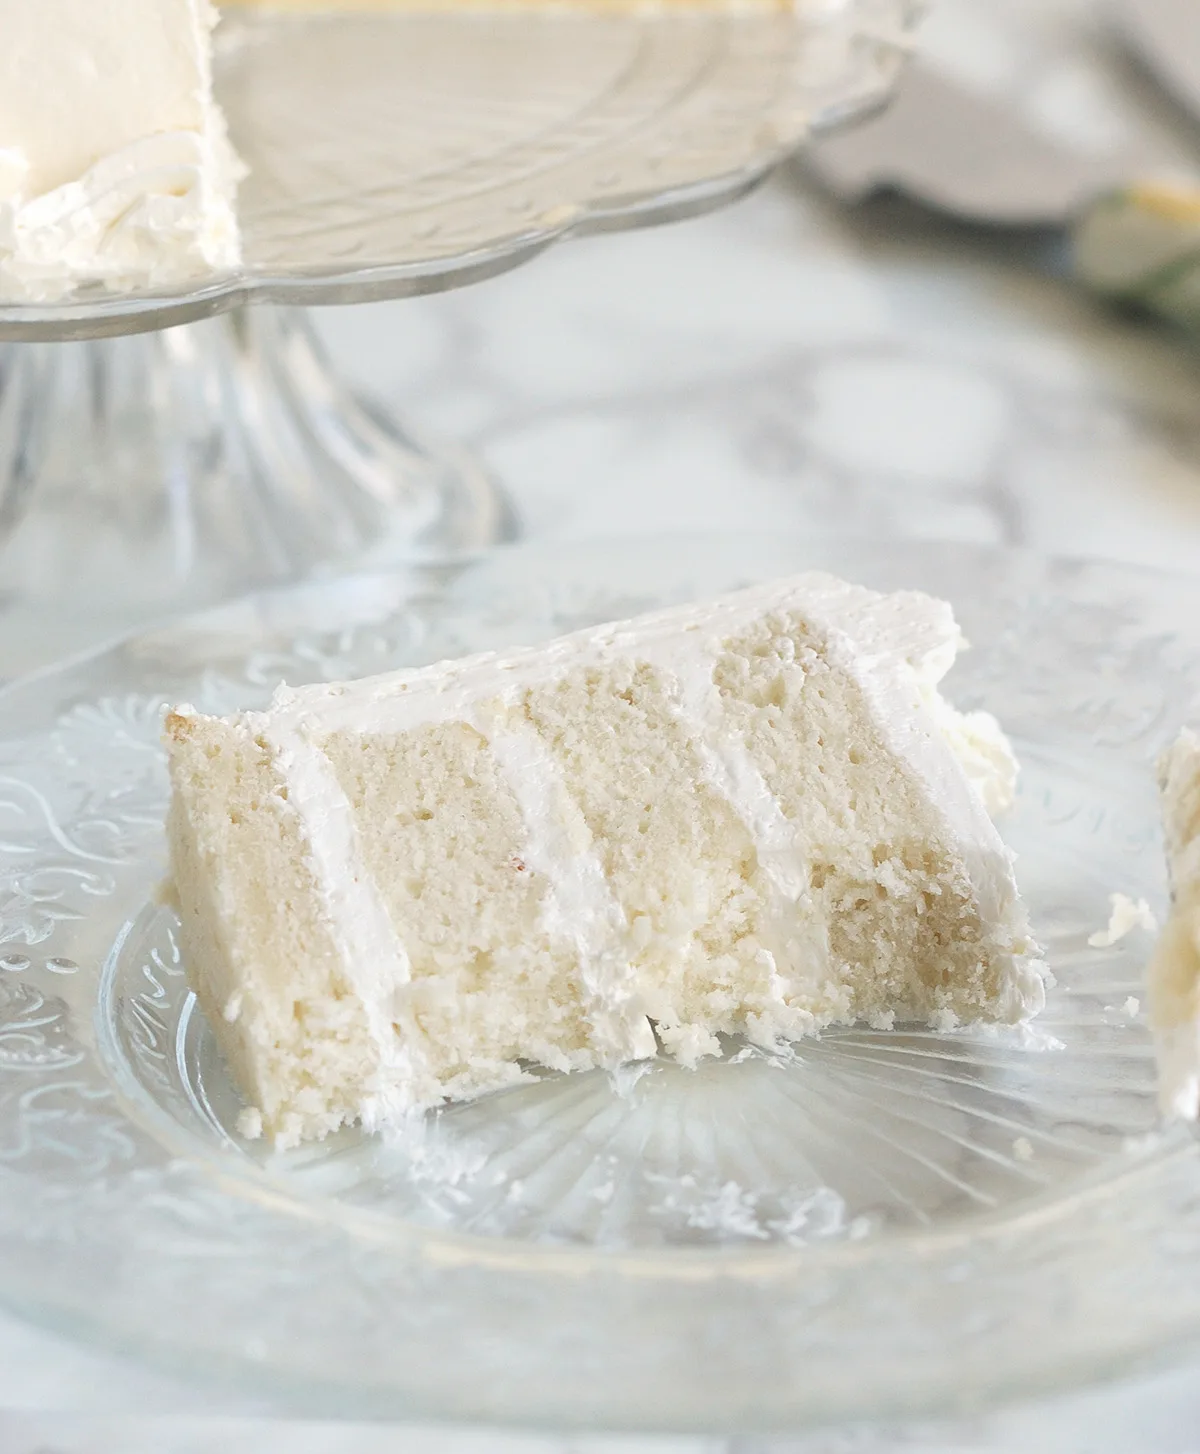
x=582, y=909
x=731, y=772
x=896, y=647
x=115, y=166
x=728, y=767
x=373, y=956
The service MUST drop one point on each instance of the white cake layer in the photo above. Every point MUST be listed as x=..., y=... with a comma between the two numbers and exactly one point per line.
x=726, y=692
x=114, y=162
x=1174, y=976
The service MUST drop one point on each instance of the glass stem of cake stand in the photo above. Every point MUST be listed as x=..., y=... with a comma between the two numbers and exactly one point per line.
x=156, y=473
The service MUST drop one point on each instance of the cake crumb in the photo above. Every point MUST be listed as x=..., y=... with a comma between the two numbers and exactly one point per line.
x=1023, y=1148
x=1127, y=915
x=233, y=1007
x=250, y=1123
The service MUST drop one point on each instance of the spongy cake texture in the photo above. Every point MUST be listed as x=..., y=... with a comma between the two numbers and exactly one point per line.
x=751, y=817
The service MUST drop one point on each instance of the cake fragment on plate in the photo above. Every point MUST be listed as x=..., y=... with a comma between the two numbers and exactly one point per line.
x=115, y=167
x=1174, y=975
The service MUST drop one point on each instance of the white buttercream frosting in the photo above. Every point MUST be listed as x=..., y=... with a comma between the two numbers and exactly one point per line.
x=114, y=163
x=896, y=647
x=728, y=766
x=730, y=771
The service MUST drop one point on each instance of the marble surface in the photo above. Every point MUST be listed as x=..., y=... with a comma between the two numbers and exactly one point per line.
x=785, y=364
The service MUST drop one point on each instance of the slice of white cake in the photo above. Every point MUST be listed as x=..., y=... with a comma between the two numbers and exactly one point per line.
x=114, y=162
x=1174, y=976
x=753, y=816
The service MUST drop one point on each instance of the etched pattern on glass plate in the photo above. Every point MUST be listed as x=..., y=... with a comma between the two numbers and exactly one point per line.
x=662, y=1248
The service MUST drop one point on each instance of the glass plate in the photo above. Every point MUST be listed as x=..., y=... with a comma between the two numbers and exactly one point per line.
x=877, y=1223
x=401, y=153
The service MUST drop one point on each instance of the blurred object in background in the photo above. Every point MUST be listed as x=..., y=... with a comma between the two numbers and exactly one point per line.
x=1052, y=113
x=1166, y=36
x=1142, y=245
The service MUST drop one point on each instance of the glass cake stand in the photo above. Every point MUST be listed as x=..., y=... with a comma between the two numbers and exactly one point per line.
x=876, y=1223
x=390, y=154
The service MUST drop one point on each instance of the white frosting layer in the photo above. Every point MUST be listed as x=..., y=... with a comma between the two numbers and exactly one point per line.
x=895, y=647
x=729, y=767
x=374, y=960
x=731, y=772
x=581, y=907
x=114, y=163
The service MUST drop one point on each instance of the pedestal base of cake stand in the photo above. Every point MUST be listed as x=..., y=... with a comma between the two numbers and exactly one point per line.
x=156, y=473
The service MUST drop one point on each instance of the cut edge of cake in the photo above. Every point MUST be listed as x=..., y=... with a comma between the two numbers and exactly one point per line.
x=642, y=830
